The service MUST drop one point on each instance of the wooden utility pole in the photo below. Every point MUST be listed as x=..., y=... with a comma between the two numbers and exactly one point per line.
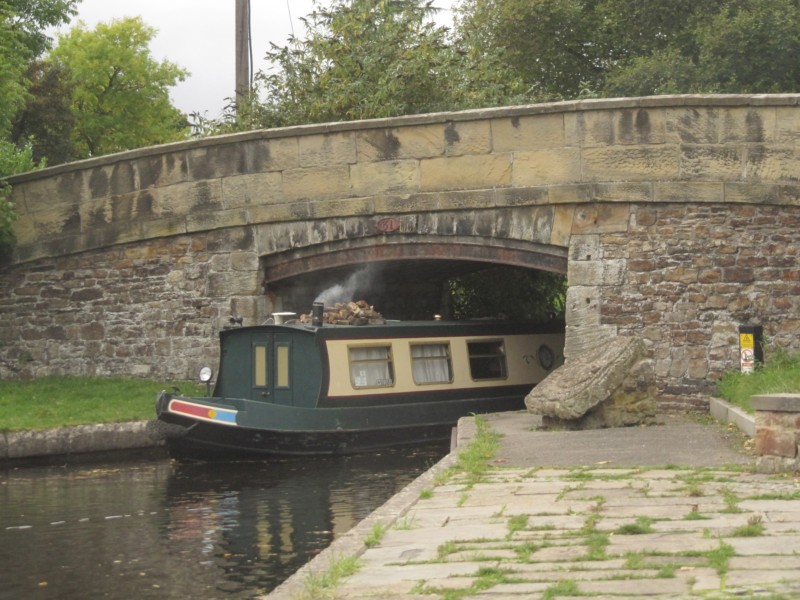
x=242, y=53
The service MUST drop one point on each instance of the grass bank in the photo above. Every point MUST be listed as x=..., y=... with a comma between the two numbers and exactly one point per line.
x=780, y=374
x=58, y=401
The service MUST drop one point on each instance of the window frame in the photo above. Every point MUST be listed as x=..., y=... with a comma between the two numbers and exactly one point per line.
x=487, y=358
x=388, y=360
x=446, y=359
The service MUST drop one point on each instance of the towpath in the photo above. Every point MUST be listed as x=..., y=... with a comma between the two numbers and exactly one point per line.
x=669, y=511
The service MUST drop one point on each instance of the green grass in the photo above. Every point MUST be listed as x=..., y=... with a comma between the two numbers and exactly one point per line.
x=320, y=586
x=57, y=401
x=376, y=535
x=641, y=526
x=472, y=462
x=780, y=374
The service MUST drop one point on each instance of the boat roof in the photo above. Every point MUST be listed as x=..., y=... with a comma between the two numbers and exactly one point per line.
x=395, y=329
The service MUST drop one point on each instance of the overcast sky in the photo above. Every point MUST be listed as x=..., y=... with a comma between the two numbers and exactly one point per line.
x=199, y=35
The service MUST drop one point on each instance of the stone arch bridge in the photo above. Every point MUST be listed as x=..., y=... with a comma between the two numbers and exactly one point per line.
x=675, y=218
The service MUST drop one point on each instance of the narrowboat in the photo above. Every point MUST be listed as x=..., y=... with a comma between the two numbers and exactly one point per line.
x=311, y=388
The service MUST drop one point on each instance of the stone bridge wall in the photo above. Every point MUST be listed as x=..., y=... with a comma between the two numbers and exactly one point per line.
x=676, y=219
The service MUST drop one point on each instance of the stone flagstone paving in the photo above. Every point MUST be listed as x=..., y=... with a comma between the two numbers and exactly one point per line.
x=529, y=533
x=602, y=531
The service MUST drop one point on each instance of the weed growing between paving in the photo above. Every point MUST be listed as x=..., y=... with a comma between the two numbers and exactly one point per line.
x=563, y=588
x=516, y=523
x=719, y=558
x=473, y=460
x=754, y=528
x=319, y=586
x=407, y=523
x=486, y=578
x=641, y=526
x=376, y=535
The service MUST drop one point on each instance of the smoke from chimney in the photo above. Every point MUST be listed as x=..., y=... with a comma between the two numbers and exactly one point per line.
x=358, y=281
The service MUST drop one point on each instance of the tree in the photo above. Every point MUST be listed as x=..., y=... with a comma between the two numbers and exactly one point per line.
x=361, y=59
x=568, y=48
x=46, y=122
x=119, y=93
x=509, y=292
x=751, y=46
x=22, y=38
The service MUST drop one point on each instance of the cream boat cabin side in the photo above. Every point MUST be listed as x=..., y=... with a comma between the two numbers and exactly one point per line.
x=306, y=389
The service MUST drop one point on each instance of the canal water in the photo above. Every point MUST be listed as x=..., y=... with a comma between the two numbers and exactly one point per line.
x=160, y=529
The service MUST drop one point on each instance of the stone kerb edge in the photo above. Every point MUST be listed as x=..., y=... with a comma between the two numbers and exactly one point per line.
x=351, y=544
x=79, y=439
x=726, y=412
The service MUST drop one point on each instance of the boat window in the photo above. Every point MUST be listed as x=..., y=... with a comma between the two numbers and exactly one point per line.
x=430, y=363
x=282, y=365
x=371, y=367
x=260, y=370
x=487, y=359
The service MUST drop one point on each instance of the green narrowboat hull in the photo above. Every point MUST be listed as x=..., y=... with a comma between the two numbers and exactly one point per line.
x=286, y=430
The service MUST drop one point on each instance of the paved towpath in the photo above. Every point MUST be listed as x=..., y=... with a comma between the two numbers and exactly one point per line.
x=669, y=511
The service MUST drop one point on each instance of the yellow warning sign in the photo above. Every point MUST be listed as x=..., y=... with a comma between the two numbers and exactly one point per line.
x=747, y=340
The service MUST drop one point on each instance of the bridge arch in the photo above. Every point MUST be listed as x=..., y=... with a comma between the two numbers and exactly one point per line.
x=676, y=219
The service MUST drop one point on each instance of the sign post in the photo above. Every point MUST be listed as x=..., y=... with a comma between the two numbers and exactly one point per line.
x=751, y=350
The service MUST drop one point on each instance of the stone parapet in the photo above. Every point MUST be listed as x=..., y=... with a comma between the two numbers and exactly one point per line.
x=777, y=439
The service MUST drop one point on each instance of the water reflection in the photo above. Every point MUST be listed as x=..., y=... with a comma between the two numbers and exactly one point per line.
x=166, y=530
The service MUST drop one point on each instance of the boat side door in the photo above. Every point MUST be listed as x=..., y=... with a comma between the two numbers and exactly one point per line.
x=272, y=368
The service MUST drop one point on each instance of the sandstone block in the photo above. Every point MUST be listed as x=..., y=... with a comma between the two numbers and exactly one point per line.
x=601, y=218
x=317, y=183
x=712, y=162
x=420, y=141
x=562, y=225
x=609, y=386
x=256, y=188
x=385, y=176
x=528, y=132
x=770, y=441
x=468, y=137
x=634, y=163
x=465, y=172
x=570, y=193
x=619, y=127
x=694, y=191
x=550, y=166
x=327, y=149
x=746, y=124
x=693, y=125
x=341, y=208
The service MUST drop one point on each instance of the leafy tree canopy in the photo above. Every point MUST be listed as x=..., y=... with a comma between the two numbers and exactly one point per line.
x=369, y=59
x=569, y=48
x=508, y=292
x=361, y=59
x=119, y=94
x=22, y=38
